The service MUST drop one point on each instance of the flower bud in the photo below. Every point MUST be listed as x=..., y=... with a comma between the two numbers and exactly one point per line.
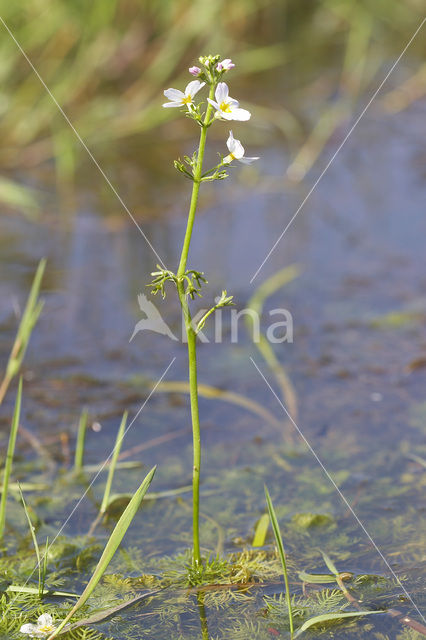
x=225, y=65
x=194, y=71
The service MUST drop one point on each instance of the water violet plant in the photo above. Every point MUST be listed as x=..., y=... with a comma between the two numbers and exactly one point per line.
x=219, y=107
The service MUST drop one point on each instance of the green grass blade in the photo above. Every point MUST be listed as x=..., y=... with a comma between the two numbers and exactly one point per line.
x=261, y=531
x=112, y=466
x=44, y=566
x=9, y=457
x=30, y=316
x=81, y=437
x=35, y=543
x=111, y=547
x=279, y=541
x=34, y=292
x=330, y=617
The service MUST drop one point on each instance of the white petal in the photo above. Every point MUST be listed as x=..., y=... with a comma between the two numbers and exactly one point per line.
x=247, y=160
x=45, y=620
x=173, y=104
x=174, y=94
x=227, y=159
x=215, y=104
x=28, y=628
x=237, y=114
x=222, y=92
x=232, y=102
x=193, y=87
x=238, y=150
x=230, y=142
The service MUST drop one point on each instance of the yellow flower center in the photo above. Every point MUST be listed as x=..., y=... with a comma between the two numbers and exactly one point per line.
x=46, y=628
x=187, y=100
x=224, y=106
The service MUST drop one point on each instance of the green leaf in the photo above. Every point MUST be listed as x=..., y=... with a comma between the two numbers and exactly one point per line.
x=115, y=454
x=261, y=531
x=9, y=457
x=330, y=617
x=16, y=588
x=329, y=563
x=111, y=547
x=30, y=316
x=279, y=541
x=81, y=436
x=27, y=486
x=107, y=613
x=316, y=578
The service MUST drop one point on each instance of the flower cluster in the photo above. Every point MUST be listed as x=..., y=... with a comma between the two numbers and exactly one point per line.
x=225, y=108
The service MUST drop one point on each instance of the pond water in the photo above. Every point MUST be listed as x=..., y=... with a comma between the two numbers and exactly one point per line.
x=357, y=364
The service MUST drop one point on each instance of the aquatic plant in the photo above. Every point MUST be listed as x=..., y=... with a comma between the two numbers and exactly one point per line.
x=188, y=282
x=29, y=318
x=113, y=462
x=111, y=547
x=81, y=437
x=281, y=552
x=9, y=458
x=41, y=560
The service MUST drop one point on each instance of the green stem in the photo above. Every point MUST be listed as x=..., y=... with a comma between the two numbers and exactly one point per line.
x=4, y=387
x=198, y=170
x=192, y=338
x=203, y=617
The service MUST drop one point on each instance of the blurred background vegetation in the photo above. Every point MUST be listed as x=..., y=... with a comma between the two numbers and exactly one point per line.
x=304, y=67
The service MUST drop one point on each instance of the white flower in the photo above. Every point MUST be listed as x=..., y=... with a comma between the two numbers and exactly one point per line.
x=43, y=627
x=236, y=151
x=179, y=99
x=226, y=107
x=225, y=65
